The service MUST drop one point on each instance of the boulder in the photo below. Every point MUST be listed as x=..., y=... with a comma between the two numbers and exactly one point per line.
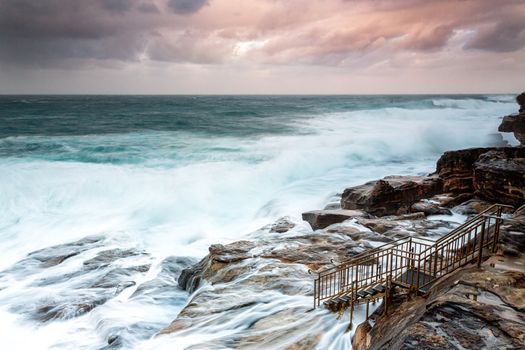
x=392, y=195
x=473, y=206
x=429, y=208
x=455, y=168
x=513, y=234
x=514, y=124
x=282, y=225
x=319, y=219
x=498, y=176
x=520, y=99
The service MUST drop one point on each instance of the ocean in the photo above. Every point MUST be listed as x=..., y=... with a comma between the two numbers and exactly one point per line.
x=171, y=175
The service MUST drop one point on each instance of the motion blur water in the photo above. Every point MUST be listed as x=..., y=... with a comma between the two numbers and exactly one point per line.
x=172, y=175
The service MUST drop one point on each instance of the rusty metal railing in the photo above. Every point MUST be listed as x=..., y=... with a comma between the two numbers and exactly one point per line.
x=412, y=262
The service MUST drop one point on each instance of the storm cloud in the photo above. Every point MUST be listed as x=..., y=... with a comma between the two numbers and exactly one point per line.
x=359, y=34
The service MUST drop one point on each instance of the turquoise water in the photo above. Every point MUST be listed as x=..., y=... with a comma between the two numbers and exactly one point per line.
x=206, y=168
x=173, y=174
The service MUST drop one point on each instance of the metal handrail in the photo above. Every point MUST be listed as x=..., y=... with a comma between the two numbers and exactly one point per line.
x=459, y=247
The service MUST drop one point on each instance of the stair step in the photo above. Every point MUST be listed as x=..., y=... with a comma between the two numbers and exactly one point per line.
x=371, y=291
x=329, y=303
x=338, y=301
x=361, y=294
x=380, y=288
x=345, y=298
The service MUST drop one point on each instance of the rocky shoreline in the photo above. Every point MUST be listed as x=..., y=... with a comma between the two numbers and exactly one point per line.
x=234, y=278
x=257, y=293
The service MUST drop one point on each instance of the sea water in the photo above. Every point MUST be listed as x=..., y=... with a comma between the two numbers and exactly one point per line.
x=173, y=174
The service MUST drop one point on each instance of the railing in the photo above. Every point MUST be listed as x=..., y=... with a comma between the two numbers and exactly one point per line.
x=412, y=262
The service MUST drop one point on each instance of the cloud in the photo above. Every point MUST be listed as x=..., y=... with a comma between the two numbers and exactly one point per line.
x=66, y=33
x=117, y=5
x=186, y=6
x=505, y=36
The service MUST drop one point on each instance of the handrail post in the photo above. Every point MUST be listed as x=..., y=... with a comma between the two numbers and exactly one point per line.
x=496, y=229
x=356, y=282
x=481, y=239
x=418, y=273
x=315, y=292
x=435, y=260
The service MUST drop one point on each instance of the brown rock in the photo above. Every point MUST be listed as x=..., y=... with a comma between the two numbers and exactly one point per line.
x=401, y=226
x=514, y=124
x=319, y=219
x=429, y=208
x=391, y=195
x=499, y=176
x=455, y=168
x=513, y=234
x=473, y=206
x=520, y=99
x=282, y=225
x=361, y=338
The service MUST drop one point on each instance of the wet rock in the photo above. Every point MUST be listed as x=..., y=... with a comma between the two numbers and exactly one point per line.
x=516, y=123
x=429, y=208
x=450, y=200
x=219, y=256
x=520, y=99
x=55, y=255
x=361, y=339
x=456, y=169
x=114, y=277
x=493, y=174
x=498, y=176
x=472, y=207
x=59, y=308
x=282, y=225
x=396, y=227
x=319, y=219
x=358, y=233
x=267, y=291
x=513, y=234
x=266, y=279
x=392, y=195
x=60, y=288
x=165, y=285
x=231, y=252
x=106, y=257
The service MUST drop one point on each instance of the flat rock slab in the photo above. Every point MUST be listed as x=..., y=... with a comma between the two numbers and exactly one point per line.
x=320, y=219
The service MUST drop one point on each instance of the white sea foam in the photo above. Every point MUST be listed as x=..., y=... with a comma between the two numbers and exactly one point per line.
x=183, y=192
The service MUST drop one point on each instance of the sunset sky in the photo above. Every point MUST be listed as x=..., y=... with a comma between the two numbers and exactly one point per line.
x=262, y=46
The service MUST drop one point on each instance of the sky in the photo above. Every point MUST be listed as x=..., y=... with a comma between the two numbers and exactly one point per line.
x=262, y=46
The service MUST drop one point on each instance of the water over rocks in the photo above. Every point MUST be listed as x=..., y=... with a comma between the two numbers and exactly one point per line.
x=89, y=284
x=74, y=279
